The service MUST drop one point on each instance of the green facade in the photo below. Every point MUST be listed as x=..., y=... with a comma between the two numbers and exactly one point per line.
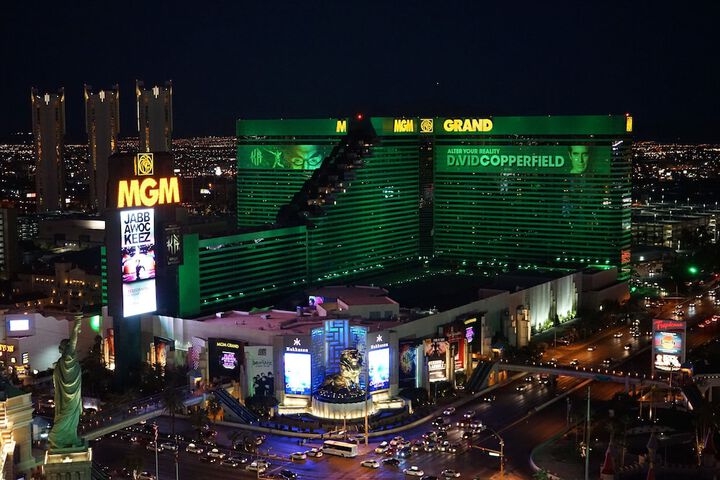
x=274, y=159
x=493, y=191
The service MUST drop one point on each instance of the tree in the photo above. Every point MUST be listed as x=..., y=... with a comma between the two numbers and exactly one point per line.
x=172, y=399
x=214, y=410
x=198, y=419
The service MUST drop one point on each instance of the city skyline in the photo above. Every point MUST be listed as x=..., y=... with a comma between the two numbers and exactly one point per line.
x=470, y=59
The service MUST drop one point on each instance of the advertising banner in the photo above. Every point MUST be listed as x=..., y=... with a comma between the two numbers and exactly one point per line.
x=259, y=371
x=297, y=373
x=288, y=157
x=570, y=160
x=379, y=369
x=408, y=363
x=224, y=357
x=173, y=245
x=436, y=352
x=137, y=229
x=668, y=347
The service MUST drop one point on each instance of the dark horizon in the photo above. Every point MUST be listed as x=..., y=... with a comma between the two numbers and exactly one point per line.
x=295, y=60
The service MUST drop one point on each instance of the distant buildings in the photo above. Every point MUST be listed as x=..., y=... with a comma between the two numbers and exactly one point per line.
x=8, y=242
x=102, y=123
x=154, y=113
x=48, y=120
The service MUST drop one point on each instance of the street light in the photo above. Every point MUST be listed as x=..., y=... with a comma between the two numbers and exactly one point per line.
x=495, y=453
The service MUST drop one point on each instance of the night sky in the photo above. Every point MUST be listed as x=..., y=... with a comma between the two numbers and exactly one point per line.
x=269, y=59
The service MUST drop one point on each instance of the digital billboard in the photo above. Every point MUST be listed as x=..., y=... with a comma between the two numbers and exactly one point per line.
x=17, y=325
x=225, y=358
x=297, y=373
x=571, y=159
x=259, y=371
x=379, y=369
x=408, y=364
x=668, y=346
x=436, y=351
x=137, y=229
x=284, y=157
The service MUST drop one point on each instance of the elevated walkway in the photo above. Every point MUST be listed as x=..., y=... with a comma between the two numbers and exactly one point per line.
x=591, y=373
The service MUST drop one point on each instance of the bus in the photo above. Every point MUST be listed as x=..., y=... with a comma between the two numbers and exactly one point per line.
x=341, y=449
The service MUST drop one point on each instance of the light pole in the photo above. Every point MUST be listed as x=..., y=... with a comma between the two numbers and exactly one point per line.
x=367, y=390
x=495, y=453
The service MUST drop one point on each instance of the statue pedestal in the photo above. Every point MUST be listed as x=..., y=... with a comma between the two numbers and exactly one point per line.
x=72, y=463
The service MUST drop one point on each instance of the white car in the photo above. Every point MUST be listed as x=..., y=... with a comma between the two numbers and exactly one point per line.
x=370, y=464
x=414, y=471
x=298, y=456
x=450, y=474
x=256, y=467
x=215, y=453
x=618, y=335
x=382, y=448
x=192, y=448
x=449, y=411
x=314, y=452
x=591, y=348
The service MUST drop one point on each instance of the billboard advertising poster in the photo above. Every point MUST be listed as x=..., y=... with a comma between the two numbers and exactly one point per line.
x=259, y=371
x=408, y=364
x=297, y=373
x=224, y=358
x=668, y=345
x=379, y=369
x=570, y=159
x=314, y=300
x=436, y=355
x=282, y=157
x=137, y=230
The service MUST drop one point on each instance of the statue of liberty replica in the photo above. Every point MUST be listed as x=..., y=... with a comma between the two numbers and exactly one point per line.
x=67, y=453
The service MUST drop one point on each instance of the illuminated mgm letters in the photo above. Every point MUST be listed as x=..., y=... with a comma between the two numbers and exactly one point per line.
x=148, y=192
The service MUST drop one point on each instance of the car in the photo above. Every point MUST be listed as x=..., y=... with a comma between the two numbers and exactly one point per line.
x=442, y=434
x=314, y=452
x=382, y=447
x=215, y=453
x=430, y=446
x=431, y=435
x=414, y=471
x=405, y=452
x=146, y=476
x=443, y=446
x=154, y=447
x=230, y=462
x=617, y=335
x=469, y=414
x=444, y=428
x=416, y=446
x=393, y=462
x=192, y=448
x=627, y=346
x=461, y=423
x=591, y=348
x=429, y=477
x=449, y=411
x=522, y=387
x=544, y=379
x=256, y=466
x=206, y=459
x=438, y=421
x=449, y=473
x=488, y=398
x=553, y=362
x=575, y=362
x=172, y=447
x=529, y=379
x=607, y=362
x=287, y=474
x=467, y=435
x=370, y=463
x=297, y=456
x=477, y=426
x=390, y=452
x=453, y=448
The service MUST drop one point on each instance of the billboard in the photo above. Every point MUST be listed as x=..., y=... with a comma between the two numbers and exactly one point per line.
x=137, y=246
x=668, y=346
x=224, y=358
x=436, y=351
x=408, y=364
x=571, y=159
x=379, y=369
x=282, y=157
x=297, y=373
x=259, y=371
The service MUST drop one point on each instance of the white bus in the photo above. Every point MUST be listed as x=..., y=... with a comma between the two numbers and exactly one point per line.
x=341, y=449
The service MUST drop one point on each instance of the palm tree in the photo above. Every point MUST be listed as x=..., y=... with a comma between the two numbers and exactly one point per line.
x=173, y=400
x=214, y=410
x=705, y=422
